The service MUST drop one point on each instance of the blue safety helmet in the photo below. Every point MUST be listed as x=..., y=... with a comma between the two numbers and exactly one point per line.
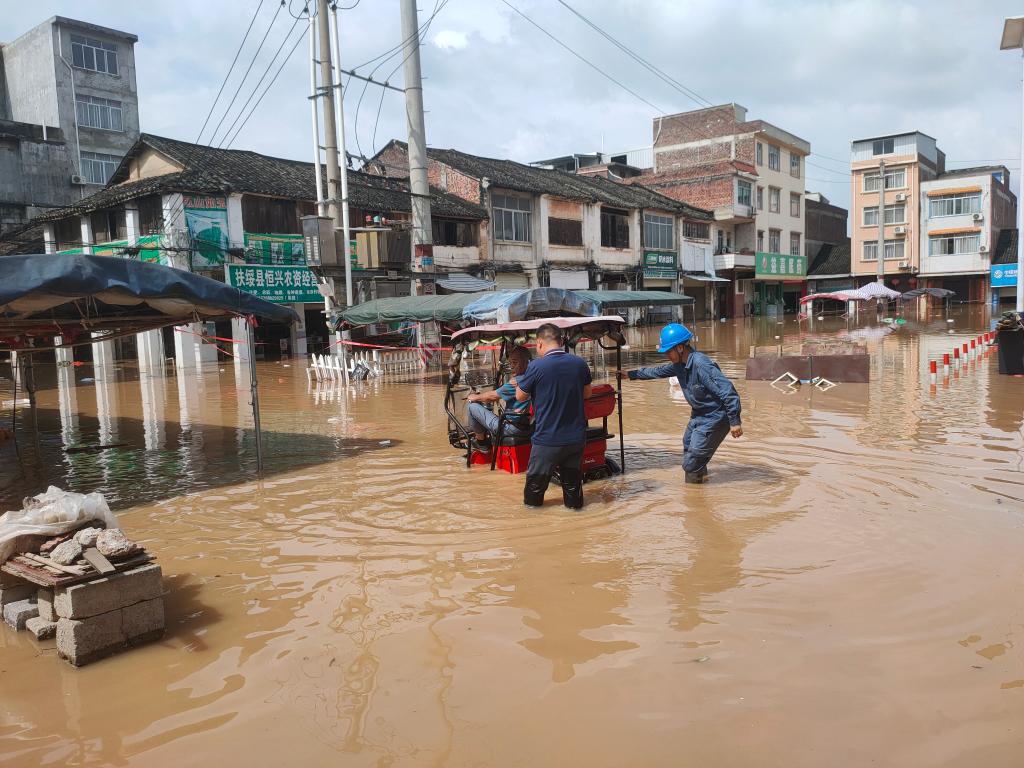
x=672, y=335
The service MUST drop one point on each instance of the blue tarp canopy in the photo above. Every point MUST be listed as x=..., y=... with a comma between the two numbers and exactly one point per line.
x=509, y=306
x=75, y=295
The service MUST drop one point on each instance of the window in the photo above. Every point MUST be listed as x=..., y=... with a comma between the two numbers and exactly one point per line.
x=565, y=232
x=894, y=214
x=658, y=232
x=774, y=193
x=271, y=215
x=94, y=112
x=614, y=228
x=883, y=147
x=794, y=204
x=760, y=153
x=794, y=243
x=775, y=240
x=954, y=205
x=774, y=159
x=512, y=217
x=894, y=179
x=693, y=230
x=108, y=225
x=453, y=232
x=794, y=165
x=893, y=250
x=760, y=239
x=969, y=242
x=760, y=198
x=743, y=192
x=97, y=168
x=87, y=53
x=151, y=215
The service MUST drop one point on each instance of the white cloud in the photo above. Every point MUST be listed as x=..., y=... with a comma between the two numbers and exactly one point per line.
x=450, y=40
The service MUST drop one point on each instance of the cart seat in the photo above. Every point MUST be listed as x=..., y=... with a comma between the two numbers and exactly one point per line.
x=517, y=439
x=601, y=403
x=598, y=433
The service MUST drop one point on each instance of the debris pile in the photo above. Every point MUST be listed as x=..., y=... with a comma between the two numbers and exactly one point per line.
x=86, y=583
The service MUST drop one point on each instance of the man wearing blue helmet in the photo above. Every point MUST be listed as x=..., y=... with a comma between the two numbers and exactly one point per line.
x=713, y=398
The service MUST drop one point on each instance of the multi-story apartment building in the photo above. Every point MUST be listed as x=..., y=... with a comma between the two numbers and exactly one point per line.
x=750, y=174
x=940, y=227
x=68, y=109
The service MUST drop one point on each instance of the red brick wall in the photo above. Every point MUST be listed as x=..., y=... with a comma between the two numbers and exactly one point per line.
x=454, y=182
x=694, y=126
x=393, y=161
x=702, y=192
x=565, y=209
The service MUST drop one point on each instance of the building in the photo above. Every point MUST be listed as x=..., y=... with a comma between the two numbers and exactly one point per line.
x=824, y=224
x=940, y=226
x=1004, y=269
x=547, y=227
x=750, y=174
x=830, y=269
x=68, y=114
x=213, y=210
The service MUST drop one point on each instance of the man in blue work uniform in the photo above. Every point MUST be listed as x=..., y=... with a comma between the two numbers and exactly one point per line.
x=712, y=397
x=558, y=383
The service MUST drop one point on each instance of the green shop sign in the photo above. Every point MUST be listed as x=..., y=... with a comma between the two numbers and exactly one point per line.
x=778, y=266
x=149, y=249
x=283, y=285
x=275, y=249
x=661, y=264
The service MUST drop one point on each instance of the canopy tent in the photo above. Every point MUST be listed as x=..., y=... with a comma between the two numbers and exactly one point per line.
x=501, y=306
x=84, y=299
x=572, y=326
x=938, y=293
x=76, y=295
x=869, y=292
x=460, y=282
x=877, y=291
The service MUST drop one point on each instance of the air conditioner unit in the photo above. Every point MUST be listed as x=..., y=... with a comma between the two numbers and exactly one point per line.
x=900, y=230
x=904, y=265
x=76, y=179
x=901, y=197
x=982, y=249
x=977, y=217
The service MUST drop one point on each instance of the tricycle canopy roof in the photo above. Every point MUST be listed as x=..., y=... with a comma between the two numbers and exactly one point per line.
x=75, y=295
x=595, y=327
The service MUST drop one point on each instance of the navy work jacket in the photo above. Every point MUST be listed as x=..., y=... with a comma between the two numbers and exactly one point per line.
x=710, y=394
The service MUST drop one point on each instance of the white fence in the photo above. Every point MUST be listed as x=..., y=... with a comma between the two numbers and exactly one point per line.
x=377, y=362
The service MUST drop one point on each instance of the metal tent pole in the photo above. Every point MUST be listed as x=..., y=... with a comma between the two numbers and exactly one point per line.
x=255, y=395
x=618, y=385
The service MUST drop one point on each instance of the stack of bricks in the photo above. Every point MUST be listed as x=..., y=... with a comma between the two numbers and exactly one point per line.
x=103, y=616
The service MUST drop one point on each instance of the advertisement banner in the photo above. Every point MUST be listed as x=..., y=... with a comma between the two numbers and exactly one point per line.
x=206, y=219
x=149, y=250
x=1004, y=275
x=282, y=285
x=661, y=265
x=274, y=249
x=778, y=266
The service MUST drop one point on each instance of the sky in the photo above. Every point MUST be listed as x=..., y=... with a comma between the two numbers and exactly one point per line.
x=496, y=85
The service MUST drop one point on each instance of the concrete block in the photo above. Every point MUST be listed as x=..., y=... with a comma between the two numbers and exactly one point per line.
x=44, y=602
x=143, y=621
x=119, y=590
x=88, y=640
x=41, y=628
x=17, y=613
x=17, y=592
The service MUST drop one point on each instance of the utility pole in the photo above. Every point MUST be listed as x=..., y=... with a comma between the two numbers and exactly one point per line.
x=323, y=23
x=422, y=234
x=881, y=222
x=342, y=157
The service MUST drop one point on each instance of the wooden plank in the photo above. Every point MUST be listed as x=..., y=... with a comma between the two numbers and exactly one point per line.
x=48, y=563
x=98, y=561
x=38, y=575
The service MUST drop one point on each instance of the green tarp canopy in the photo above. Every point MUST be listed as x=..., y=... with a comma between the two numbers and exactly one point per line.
x=419, y=309
x=620, y=299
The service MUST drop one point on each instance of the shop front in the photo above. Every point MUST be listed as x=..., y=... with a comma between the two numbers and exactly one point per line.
x=1004, y=284
x=779, y=282
x=661, y=273
x=295, y=286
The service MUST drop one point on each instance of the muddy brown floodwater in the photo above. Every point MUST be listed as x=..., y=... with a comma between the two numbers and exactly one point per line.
x=844, y=592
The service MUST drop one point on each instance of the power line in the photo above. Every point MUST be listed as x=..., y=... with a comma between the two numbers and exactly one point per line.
x=238, y=90
x=688, y=92
x=230, y=70
x=586, y=61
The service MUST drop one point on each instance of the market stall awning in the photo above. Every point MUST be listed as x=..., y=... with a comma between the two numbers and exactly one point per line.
x=702, y=277
x=417, y=309
x=460, y=282
x=621, y=299
x=939, y=293
x=509, y=306
x=75, y=295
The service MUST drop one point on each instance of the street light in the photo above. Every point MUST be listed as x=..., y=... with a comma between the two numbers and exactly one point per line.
x=1013, y=38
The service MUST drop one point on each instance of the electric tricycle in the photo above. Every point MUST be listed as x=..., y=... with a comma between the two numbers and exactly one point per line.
x=509, y=450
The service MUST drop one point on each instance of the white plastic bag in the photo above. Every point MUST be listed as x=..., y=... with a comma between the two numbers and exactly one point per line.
x=50, y=514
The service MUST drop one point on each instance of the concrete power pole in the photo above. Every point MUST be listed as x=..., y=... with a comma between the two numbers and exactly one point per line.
x=880, y=272
x=422, y=234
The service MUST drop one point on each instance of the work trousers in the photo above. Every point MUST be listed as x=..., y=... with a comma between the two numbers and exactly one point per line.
x=700, y=442
x=480, y=418
x=544, y=460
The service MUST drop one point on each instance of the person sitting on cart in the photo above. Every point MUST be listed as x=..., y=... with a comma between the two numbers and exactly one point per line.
x=483, y=422
x=713, y=399
x=558, y=383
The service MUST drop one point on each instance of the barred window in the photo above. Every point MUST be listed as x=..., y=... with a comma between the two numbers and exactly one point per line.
x=614, y=228
x=954, y=244
x=894, y=249
x=693, y=230
x=453, y=232
x=565, y=232
x=954, y=205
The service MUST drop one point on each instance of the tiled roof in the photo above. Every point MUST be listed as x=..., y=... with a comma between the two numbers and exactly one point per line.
x=1006, y=247
x=508, y=174
x=831, y=260
x=210, y=170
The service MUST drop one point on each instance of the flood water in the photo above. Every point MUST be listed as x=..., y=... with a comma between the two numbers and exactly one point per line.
x=844, y=592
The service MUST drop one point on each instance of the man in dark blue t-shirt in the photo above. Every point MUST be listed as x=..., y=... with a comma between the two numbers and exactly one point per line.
x=558, y=383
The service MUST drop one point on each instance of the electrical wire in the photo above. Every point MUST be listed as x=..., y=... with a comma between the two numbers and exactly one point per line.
x=585, y=60
x=686, y=91
x=230, y=70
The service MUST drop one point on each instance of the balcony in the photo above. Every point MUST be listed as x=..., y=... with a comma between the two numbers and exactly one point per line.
x=734, y=212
